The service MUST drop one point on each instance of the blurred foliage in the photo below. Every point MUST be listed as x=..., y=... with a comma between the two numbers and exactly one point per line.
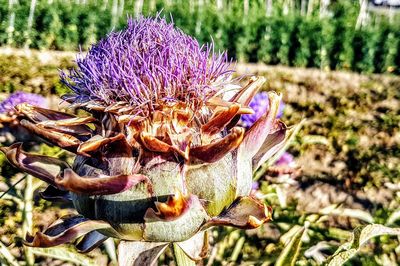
x=29, y=74
x=288, y=35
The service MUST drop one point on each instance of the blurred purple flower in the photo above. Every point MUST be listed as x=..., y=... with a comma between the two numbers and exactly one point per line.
x=260, y=105
x=281, y=109
x=255, y=185
x=285, y=159
x=22, y=97
x=146, y=64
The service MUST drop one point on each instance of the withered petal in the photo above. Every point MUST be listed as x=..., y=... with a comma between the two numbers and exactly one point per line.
x=96, y=142
x=64, y=231
x=220, y=120
x=110, y=126
x=52, y=193
x=181, y=143
x=75, y=126
x=195, y=247
x=38, y=114
x=60, y=139
x=154, y=144
x=258, y=132
x=216, y=150
x=245, y=111
x=5, y=118
x=89, y=106
x=69, y=97
x=90, y=241
x=245, y=213
x=107, y=185
x=124, y=119
x=92, y=106
x=218, y=103
x=246, y=94
x=272, y=144
x=75, y=121
x=135, y=253
x=126, y=110
x=114, y=108
x=181, y=118
x=43, y=167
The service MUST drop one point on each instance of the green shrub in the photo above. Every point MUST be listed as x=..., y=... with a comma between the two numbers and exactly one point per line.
x=288, y=36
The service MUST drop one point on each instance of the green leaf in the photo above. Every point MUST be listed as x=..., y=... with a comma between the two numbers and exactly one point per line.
x=65, y=254
x=353, y=213
x=395, y=216
x=111, y=250
x=315, y=139
x=290, y=253
x=361, y=235
x=6, y=257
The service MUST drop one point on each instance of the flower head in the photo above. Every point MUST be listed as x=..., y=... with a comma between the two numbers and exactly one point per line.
x=162, y=157
x=148, y=63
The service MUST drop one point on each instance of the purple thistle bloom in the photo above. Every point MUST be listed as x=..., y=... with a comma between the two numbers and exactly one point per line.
x=260, y=105
x=285, y=159
x=148, y=63
x=21, y=97
x=281, y=109
x=255, y=185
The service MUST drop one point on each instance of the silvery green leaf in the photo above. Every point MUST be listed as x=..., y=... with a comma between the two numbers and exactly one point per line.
x=393, y=217
x=361, y=235
x=291, y=250
x=353, y=213
x=6, y=257
x=315, y=252
x=65, y=254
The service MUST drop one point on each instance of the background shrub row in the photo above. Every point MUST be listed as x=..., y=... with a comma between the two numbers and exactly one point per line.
x=286, y=35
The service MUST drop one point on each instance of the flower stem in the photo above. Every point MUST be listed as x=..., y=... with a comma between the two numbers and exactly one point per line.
x=238, y=249
x=27, y=217
x=181, y=258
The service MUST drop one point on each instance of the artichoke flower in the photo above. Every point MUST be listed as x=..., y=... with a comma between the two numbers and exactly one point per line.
x=10, y=129
x=259, y=104
x=160, y=156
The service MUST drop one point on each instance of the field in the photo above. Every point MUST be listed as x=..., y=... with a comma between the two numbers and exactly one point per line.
x=347, y=157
